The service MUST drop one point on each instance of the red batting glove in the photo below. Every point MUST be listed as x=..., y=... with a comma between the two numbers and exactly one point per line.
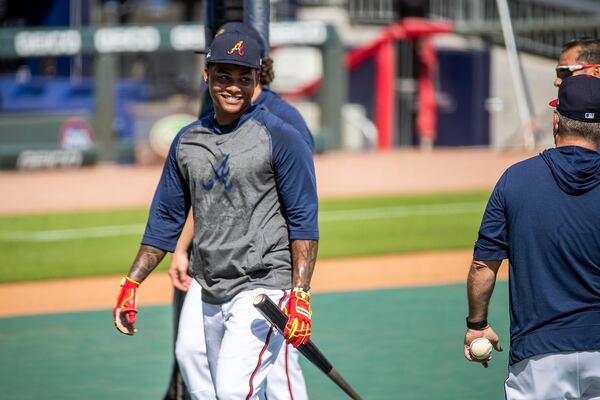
x=297, y=329
x=125, y=310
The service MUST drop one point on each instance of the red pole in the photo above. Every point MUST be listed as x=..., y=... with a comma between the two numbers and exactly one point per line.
x=426, y=110
x=385, y=93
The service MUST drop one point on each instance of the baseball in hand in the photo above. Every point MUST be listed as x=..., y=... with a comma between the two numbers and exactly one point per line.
x=480, y=348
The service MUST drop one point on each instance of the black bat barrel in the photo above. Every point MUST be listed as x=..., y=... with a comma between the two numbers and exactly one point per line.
x=274, y=315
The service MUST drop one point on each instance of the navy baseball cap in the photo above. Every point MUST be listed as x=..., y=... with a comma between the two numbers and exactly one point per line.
x=236, y=43
x=579, y=98
x=234, y=48
x=240, y=27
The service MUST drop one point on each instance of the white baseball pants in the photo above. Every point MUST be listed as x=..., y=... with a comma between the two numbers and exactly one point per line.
x=285, y=381
x=190, y=348
x=570, y=375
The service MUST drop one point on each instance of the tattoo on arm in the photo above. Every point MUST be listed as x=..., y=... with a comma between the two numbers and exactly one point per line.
x=147, y=259
x=304, y=257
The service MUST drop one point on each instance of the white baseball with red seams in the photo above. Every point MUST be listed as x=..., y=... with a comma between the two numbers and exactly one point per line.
x=480, y=348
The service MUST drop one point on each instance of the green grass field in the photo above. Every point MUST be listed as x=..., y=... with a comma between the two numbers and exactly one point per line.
x=67, y=245
x=389, y=344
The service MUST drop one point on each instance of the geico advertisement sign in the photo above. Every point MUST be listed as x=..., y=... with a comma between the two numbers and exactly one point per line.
x=112, y=40
x=48, y=42
x=75, y=137
x=187, y=37
x=39, y=159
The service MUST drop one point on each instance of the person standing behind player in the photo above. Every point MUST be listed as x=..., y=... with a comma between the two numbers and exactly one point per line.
x=249, y=178
x=544, y=216
x=285, y=380
x=579, y=56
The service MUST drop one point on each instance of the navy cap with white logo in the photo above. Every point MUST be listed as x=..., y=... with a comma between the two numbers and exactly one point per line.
x=234, y=47
x=579, y=98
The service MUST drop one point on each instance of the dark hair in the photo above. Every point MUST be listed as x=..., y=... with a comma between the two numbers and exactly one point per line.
x=266, y=71
x=589, y=131
x=589, y=52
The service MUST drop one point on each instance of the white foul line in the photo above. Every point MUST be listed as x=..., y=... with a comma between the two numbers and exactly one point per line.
x=67, y=234
x=329, y=216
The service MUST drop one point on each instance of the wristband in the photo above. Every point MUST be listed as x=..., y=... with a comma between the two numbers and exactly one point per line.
x=478, y=326
x=126, y=278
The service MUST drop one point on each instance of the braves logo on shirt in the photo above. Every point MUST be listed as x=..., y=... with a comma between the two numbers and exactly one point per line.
x=239, y=47
x=221, y=174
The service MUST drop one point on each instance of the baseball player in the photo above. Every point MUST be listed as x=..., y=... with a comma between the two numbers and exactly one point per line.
x=249, y=179
x=579, y=56
x=286, y=380
x=544, y=216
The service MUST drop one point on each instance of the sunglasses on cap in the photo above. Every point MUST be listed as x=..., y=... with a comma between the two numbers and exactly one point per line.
x=565, y=71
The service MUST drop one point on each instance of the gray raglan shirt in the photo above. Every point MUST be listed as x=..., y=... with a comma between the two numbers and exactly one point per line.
x=252, y=187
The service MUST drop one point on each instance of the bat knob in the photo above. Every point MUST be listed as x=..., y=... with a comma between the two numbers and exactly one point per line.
x=258, y=300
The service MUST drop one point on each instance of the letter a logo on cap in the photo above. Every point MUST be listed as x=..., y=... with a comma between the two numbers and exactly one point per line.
x=239, y=47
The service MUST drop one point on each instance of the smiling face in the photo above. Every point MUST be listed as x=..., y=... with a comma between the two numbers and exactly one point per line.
x=231, y=88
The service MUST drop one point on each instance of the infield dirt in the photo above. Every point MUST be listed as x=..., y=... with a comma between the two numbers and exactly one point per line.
x=338, y=175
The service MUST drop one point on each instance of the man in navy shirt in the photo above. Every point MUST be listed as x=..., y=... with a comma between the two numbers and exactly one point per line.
x=544, y=217
x=249, y=178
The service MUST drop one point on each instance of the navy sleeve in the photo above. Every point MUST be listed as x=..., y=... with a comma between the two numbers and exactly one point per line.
x=492, y=242
x=296, y=182
x=170, y=205
x=291, y=115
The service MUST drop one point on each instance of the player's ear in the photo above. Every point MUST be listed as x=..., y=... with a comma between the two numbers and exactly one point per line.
x=256, y=77
x=205, y=74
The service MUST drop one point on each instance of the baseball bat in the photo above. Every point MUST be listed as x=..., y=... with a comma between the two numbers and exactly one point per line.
x=309, y=350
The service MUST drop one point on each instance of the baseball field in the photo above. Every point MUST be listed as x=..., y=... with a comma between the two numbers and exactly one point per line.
x=389, y=293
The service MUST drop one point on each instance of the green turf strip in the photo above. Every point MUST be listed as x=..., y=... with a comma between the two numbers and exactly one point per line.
x=31, y=246
x=389, y=344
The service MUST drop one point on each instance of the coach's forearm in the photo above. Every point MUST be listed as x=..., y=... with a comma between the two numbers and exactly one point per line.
x=147, y=259
x=480, y=286
x=304, y=257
